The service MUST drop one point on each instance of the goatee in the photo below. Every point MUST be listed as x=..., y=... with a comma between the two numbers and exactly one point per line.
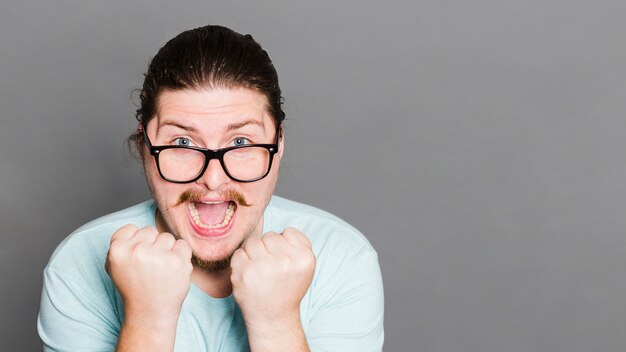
x=211, y=266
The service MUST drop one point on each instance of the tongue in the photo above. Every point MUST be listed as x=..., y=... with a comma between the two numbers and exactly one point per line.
x=211, y=214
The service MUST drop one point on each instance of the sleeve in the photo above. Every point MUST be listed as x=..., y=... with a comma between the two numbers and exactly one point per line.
x=76, y=314
x=348, y=312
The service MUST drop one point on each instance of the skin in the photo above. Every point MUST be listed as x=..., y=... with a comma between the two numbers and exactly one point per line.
x=151, y=267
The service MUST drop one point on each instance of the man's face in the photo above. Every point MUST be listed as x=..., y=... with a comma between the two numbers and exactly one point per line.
x=199, y=212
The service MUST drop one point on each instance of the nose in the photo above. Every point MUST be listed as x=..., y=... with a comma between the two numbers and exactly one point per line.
x=214, y=176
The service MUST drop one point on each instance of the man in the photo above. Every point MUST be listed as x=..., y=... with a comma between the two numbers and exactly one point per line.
x=214, y=262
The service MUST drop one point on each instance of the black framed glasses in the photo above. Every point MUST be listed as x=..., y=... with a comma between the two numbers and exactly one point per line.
x=185, y=164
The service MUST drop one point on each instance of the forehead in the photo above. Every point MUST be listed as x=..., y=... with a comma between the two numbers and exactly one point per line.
x=213, y=109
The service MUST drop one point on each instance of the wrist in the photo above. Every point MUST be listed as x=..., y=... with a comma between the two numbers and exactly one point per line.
x=264, y=321
x=147, y=333
x=155, y=319
x=283, y=333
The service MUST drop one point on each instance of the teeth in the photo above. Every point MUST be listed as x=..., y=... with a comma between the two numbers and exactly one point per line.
x=196, y=217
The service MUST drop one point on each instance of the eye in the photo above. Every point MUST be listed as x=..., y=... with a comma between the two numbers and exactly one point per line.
x=240, y=141
x=183, y=142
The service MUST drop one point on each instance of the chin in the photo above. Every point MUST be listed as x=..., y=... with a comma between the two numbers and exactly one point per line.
x=211, y=265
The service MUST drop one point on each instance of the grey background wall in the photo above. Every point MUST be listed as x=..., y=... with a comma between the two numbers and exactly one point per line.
x=479, y=145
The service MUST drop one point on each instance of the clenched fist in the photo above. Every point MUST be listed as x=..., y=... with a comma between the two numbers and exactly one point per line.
x=270, y=276
x=151, y=270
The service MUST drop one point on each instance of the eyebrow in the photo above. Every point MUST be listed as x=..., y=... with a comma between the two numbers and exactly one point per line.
x=176, y=124
x=230, y=127
x=238, y=125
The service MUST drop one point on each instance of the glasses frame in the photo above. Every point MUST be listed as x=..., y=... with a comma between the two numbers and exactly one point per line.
x=210, y=154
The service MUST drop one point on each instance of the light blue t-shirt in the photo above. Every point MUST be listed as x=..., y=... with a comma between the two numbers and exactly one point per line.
x=81, y=310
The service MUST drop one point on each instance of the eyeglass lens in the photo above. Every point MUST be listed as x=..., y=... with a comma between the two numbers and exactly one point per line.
x=244, y=164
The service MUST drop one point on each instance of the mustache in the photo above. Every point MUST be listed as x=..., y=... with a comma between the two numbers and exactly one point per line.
x=195, y=196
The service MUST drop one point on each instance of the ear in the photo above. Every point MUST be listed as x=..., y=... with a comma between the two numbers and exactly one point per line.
x=139, y=144
x=281, y=141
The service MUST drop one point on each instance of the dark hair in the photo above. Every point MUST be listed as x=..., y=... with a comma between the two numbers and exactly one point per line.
x=209, y=57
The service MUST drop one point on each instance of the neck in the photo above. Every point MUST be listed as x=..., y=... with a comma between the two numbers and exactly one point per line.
x=215, y=284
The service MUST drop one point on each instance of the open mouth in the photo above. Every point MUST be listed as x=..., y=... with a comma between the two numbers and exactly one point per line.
x=212, y=215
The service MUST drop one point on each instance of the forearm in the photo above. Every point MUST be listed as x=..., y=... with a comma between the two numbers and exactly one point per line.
x=152, y=272
x=141, y=333
x=277, y=335
x=270, y=276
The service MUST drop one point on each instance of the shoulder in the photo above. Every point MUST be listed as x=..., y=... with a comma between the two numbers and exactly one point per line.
x=90, y=242
x=345, y=298
x=328, y=233
x=78, y=297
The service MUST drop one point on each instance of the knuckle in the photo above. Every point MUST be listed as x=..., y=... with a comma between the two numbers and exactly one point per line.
x=234, y=278
x=237, y=255
x=123, y=232
x=116, y=249
x=291, y=231
x=129, y=227
x=112, y=257
x=150, y=231
x=269, y=240
x=142, y=252
x=295, y=234
x=115, y=258
x=165, y=237
x=311, y=258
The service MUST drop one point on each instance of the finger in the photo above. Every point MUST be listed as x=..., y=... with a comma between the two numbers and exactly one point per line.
x=239, y=259
x=124, y=233
x=296, y=238
x=238, y=263
x=254, y=248
x=146, y=235
x=182, y=248
x=275, y=243
x=165, y=240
